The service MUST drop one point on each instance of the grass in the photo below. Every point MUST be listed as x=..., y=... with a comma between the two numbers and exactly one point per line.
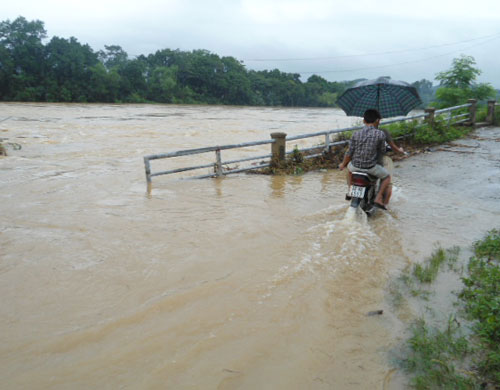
x=456, y=355
x=489, y=247
x=433, y=355
x=427, y=272
x=481, y=296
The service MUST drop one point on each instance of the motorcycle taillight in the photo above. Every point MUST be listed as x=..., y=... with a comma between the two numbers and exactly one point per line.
x=360, y=180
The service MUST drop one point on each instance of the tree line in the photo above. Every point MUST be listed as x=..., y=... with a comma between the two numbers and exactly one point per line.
x=65, y=70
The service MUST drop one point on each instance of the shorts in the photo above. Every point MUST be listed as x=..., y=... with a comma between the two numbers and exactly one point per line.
x=377, y=171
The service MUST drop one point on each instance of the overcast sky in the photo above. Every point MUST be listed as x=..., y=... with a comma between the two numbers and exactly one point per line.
x=337, y=39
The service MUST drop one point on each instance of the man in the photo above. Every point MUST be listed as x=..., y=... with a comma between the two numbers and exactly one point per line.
x=366, y=147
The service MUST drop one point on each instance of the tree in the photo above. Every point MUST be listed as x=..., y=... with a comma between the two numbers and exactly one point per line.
x=133, y=86
x=461, y=75
x=163, y=84
x=113, y=56
x=426, y=91
x=67, y=70
x=458, y=84
x=234, y=84
x=21, y=55
x=315, y=87
x=104, y=84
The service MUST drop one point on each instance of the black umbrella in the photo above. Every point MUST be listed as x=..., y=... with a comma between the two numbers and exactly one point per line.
x=389, y=97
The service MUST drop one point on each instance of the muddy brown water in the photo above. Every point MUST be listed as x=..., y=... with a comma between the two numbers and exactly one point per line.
x=243, y=282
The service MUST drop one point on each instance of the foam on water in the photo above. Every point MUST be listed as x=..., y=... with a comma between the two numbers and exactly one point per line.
x=345, y=241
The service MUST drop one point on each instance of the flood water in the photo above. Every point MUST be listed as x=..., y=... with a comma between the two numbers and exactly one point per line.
x=244, y=282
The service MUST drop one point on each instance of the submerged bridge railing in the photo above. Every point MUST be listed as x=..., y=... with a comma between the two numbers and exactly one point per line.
x=278, y=143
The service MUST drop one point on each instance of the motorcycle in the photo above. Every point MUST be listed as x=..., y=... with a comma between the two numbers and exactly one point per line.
x=363, y=191
x=364, y=188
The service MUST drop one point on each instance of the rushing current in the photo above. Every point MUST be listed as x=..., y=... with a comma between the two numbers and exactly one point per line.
x=242, y=282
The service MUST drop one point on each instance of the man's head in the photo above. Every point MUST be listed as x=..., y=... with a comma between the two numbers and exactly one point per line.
x=372, y=117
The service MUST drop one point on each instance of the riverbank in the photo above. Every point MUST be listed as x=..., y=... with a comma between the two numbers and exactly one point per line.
x=436, y=338
x=454, y=342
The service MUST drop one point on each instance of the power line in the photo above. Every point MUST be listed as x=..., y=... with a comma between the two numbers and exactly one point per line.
x=400, y=63
x=374, y=53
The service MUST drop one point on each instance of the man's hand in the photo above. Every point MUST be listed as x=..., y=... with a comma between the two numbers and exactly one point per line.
x=344, y=163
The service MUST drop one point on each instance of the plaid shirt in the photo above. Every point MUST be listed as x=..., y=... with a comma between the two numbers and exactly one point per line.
x=366, y=146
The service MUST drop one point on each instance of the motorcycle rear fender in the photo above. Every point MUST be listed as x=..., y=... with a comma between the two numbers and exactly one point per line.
x=361, y=179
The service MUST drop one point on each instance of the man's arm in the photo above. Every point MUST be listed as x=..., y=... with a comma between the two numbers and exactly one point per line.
x=348, y=155
x=346, y=161
x=396, y=147
x=389, y=140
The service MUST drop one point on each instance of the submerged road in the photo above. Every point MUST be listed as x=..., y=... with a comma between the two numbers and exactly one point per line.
x=243, y=282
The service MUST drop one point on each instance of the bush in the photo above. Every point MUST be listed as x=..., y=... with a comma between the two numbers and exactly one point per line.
x=402, y=129
x=482, y=299
x=433, y=356
x=421, y=133
x=439, y=133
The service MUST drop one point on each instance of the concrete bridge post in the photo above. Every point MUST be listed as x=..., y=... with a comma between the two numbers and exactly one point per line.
x=278, y=148
x=490, y=117
x=430, y=118
x=472, y=110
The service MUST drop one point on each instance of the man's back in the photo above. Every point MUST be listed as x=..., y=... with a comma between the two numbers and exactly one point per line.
x=366, y=146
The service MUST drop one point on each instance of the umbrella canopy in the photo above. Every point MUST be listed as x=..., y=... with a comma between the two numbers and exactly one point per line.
x=389, y=97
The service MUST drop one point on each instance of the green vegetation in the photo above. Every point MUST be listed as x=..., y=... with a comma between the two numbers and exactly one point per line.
x=489, y=247
x=419, y=134
x=457, y=84
x=482, y=303
x=418, y=278
x=463, y=353
x=427, y=272
x=433, y=357
x=65, y=70
x=426, y=91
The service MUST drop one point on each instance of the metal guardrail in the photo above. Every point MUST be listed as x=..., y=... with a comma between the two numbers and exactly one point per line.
x=443, y=110
x=452, y=118
x=218, y=165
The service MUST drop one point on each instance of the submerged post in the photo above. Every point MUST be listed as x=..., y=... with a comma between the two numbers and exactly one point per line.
x=473, y=109
x=431, y=115
x=490, y=117
x=327, y=142
x=218, y=164
x=147, y=167
x=278, y=147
